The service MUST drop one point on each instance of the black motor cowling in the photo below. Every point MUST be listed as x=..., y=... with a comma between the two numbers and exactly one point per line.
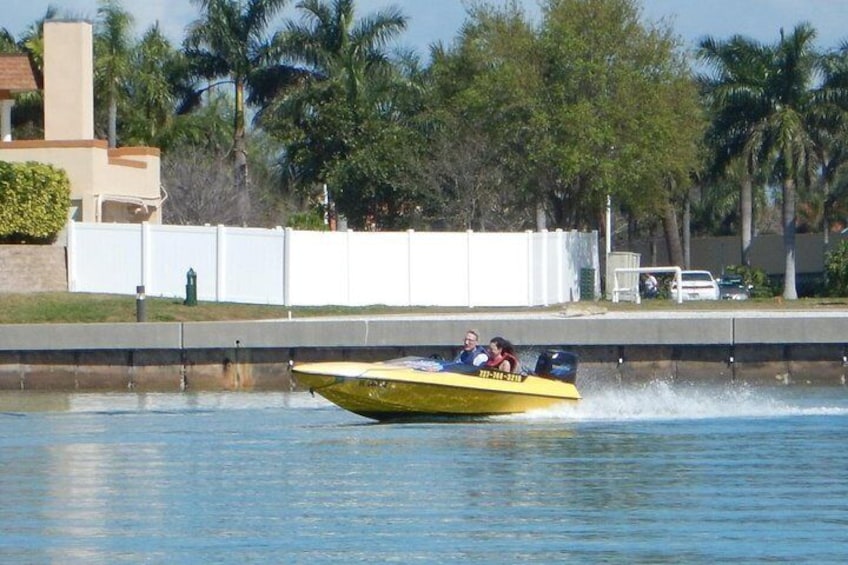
x=555, y=364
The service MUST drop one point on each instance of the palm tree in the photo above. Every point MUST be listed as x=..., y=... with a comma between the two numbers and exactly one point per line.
x=736, y=93
x=228, y=42
x=7, y=41
x=832, y=133
x=352, y=97
x=152, y=89
x=335, y=47
x=786, y=135
x=771, y=120
x=113, y=48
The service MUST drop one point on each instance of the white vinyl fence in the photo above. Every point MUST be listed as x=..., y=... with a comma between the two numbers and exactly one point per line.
x=308, y=268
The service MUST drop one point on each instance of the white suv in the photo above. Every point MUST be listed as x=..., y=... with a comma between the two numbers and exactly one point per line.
x=697, y=285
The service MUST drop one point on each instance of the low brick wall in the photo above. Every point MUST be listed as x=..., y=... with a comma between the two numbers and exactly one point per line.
x=33, y=268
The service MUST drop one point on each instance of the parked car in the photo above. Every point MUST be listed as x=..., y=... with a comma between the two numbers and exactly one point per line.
x=697, y=285
x=732, y=287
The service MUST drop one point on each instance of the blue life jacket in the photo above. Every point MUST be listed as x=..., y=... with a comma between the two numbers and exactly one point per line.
x=467, y=357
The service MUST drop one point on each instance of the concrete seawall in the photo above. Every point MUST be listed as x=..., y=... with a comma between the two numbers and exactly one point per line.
x=752, y=347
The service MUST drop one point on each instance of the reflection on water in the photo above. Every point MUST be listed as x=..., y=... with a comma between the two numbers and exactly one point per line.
x=28, y=401
x=36, y=401
x=652, y=474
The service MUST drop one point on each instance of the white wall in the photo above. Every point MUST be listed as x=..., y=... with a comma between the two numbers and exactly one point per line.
x=305, y=268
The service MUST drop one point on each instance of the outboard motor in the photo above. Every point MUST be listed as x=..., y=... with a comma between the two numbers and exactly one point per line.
x=560, y=365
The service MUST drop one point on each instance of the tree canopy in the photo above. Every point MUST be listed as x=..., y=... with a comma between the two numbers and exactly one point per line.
x=517, y=122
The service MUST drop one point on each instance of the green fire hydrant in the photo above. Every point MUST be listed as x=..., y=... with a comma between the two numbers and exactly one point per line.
x=191, y=288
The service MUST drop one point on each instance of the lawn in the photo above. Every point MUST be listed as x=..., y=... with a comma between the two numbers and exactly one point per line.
x=64, y=307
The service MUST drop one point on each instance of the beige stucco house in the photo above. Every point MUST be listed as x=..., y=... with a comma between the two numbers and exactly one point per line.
x=107, y=185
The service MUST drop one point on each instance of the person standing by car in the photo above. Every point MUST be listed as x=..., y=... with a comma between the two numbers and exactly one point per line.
x=472, y=352
x=650, y=287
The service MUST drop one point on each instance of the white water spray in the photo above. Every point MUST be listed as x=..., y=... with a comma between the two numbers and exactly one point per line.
x=661, y=400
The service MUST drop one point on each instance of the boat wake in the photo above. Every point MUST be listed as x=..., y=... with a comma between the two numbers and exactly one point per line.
x=661, y=400
x=655, y=400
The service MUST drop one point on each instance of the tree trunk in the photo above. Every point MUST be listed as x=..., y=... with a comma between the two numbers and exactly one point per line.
x=672, y=235
x=827, y=206
x=789, y=291
x=113, y=120
x=240, y=157
x=652, y=246
x=746, y=212
x=541, y=217
x=687, y=232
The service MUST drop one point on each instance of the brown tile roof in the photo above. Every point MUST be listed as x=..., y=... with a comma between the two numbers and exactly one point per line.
x=16, y=73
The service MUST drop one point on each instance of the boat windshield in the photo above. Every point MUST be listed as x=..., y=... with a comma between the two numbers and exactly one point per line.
x=433, y=365
x=465, y=368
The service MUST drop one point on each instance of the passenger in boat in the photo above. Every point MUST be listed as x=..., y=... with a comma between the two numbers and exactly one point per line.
x=502, y=355
x=472, y=352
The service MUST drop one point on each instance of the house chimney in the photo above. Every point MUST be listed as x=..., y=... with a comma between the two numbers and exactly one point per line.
x=68, y=81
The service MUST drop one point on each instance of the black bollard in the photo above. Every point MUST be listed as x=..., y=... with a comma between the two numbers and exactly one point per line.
x=140, y=305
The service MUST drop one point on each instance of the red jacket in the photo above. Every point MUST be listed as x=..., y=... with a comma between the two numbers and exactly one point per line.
x=513, y=361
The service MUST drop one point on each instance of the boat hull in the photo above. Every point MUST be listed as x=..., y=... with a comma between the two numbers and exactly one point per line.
x=384, y=391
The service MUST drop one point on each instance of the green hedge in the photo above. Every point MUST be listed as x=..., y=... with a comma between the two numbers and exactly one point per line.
x=836, y=270
x=756, y=278
x=34, y=202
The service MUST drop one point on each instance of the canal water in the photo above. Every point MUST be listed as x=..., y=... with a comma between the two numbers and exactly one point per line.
x=648, y=474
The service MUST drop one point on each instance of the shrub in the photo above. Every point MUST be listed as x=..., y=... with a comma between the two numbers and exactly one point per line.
x=310, y=220
x=836, y=270
x=34, y=202
x=754, y=277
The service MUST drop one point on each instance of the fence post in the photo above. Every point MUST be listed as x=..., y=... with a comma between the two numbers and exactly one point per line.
x=530, y=270
x=561, y=251
x=146, y=252
x=220, y=263
x=287, y=237
x=468, y=272
x=72, y=256
x=409, y=235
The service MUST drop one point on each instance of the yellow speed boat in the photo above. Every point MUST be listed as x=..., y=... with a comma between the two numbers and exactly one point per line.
x=420, y=387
